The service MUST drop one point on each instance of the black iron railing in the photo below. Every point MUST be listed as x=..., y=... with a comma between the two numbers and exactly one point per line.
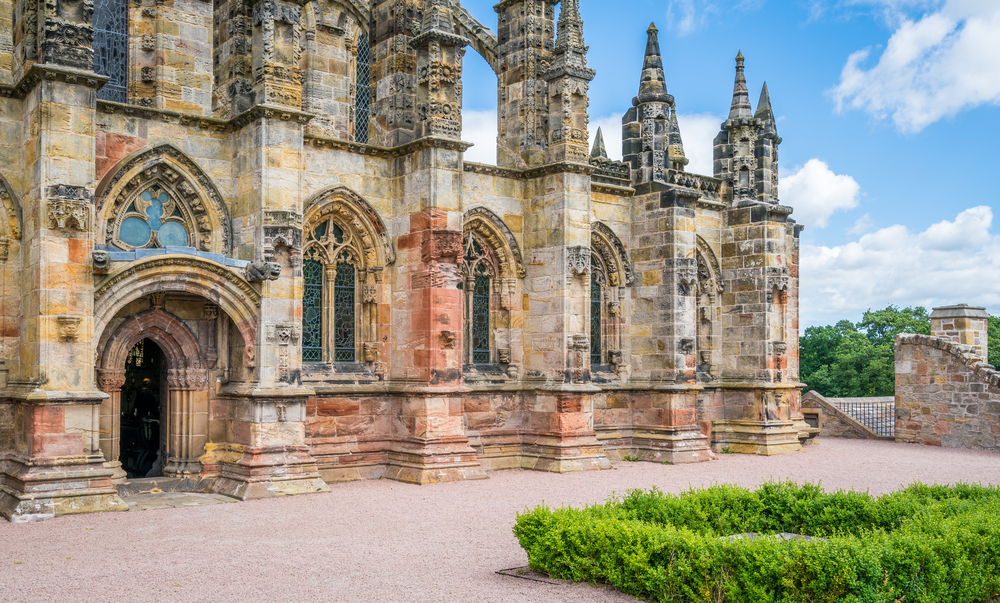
x=879, y=416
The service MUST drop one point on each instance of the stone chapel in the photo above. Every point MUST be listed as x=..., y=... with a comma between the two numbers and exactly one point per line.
x=241, y=250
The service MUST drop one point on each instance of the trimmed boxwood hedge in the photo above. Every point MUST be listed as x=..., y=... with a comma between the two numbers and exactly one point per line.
x=923, y=544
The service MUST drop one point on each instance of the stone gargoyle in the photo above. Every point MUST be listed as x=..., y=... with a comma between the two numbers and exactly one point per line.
x=262, y=271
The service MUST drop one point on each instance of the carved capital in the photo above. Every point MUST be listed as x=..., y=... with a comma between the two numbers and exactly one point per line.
x=110, y=380
x=578, y=260
x=69, y=327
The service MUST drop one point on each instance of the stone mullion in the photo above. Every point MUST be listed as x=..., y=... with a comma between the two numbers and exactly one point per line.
x=329, y=312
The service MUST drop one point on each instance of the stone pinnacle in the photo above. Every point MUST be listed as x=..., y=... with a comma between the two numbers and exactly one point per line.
x=741, y=108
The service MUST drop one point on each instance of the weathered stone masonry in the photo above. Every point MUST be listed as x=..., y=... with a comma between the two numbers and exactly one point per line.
x=334, y=292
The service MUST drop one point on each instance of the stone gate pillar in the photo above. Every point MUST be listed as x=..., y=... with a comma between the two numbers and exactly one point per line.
x=110, y=381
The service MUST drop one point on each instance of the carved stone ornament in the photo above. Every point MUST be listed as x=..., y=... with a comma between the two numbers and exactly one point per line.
x=578, y=260
x=441, y=245
x=110, y=380
x=369, y=293
x=615, y=309
x=687, y=346
x=780, y=347
x=69, y=214
x=447, y=340
x=283, y=334
x=256, y=272
x=4, y=249
x=370, y=352
x=579, y=342
x=503, y=356
x=157, y=299
x=69, y=327
x=102, y=261
x=614, y=357
x=211, y=312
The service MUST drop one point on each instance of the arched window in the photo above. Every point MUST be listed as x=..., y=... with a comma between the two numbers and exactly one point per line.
x=329, y=299
x=479, y=270
x=111, y=48
x=343, y=314
x=362, y=102
x=312, y=311
x=596, y=339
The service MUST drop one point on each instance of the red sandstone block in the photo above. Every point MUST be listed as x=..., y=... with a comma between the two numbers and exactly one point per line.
x=681, y=416
x=480, y=420
x=419, y=221
x=568, y=422
x=477, y=405
x=47, y=419
x=374, y=406
x=354, y=426
x=942, y=427
x=62, y=444
x=409, y=241
x=319, y=428
x=336, y=407
x=570, y=404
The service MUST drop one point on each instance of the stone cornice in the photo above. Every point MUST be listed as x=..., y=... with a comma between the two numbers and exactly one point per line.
x=38, y=72
x=389, y=152
x=562, y=167
x=206, y=122
x=611, y=189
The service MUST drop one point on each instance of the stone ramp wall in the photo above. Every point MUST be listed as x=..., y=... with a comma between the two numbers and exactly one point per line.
x=946, y=395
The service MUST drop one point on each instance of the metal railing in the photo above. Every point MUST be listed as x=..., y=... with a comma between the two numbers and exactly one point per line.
x=879, y=416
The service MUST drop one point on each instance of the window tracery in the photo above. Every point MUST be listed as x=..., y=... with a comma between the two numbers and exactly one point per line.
x=479, y=270
x=362, y=99
x=598, y=283
x=154, y=218
x=110, y=21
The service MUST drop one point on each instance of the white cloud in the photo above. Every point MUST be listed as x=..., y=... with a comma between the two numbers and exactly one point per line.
x=480, y=128
x=697, y=130
x=949, y=262
x=931, y=68
x=862, y=225
x=687, y=16
x=815, y=193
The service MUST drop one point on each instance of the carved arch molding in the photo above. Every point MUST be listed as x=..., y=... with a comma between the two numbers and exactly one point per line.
x=167, y=167
x=368, y=237
x=495, y=233
x=10, y=226
x=612, y=253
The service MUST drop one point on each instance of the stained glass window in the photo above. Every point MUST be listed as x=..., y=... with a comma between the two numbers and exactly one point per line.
x=595, y=318
x=481, y=318
x=312, y=312
x=362, y=104
x=343, y=314
x=153, y=220
x=111, y=48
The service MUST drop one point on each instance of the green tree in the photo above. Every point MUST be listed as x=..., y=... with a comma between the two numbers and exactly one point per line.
x=857, y=360
x=993, y=340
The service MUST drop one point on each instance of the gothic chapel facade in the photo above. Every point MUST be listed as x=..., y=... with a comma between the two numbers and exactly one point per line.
x=241, y=250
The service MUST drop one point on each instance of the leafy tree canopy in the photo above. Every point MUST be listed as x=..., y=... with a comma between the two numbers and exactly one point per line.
x=857, y=360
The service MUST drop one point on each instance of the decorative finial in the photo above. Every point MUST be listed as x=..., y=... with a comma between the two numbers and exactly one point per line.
x=741, y=99
x=652, y=28
x=599, y=150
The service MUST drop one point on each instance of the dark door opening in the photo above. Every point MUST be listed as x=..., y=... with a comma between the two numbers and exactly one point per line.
x=141, y=454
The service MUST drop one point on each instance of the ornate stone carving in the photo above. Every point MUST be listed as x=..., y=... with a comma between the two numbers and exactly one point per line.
x=442, y=245
x=256, y=272
x=610, y=249
x=370, y=352
x=448, y=339
x=615, y=309
x=687, y=346
x=283, y=334
x=12, y=209
x=492, y=230
x=503, y=355
x=578, y=260
x=102, y=261
x=156, y=300
x=210, y=312
x=110, y=380
x=274, y=237
x=148, y=42
x=369, y=293
x=69, y=327
x=614, y=357
x=69, y=215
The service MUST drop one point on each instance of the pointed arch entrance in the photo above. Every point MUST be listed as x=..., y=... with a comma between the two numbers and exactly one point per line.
x=182, y=392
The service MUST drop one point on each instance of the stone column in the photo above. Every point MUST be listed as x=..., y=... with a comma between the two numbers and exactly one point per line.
x=962, y=324
x=110, y=381
x=187, y=406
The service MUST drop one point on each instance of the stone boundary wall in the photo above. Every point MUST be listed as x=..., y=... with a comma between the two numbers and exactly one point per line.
x=834, y=422
x=946, y=395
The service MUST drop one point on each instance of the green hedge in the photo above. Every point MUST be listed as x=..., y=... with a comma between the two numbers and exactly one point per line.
x=924, y=544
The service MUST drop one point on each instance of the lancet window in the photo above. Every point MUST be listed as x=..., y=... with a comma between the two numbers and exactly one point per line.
x=154, y=218
x=362, y=102
x=111, y=48
x=329, y=303
x=598, y=280
x=480, y=271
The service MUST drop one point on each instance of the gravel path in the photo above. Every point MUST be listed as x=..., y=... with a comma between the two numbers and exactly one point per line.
x=385, y=541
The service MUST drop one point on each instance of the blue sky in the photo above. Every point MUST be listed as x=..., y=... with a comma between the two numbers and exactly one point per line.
x=889, y=111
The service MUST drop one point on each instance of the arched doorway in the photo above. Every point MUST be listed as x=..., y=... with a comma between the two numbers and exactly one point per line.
x=142, y=421
x=154, y=371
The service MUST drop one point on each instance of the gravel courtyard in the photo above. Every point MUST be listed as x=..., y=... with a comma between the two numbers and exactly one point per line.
x=386, y=541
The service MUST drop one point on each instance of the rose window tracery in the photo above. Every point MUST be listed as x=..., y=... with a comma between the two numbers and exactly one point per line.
x=153, y=219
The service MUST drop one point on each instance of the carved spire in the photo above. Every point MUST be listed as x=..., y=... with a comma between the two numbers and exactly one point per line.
x=570, y=26
x=653, y=86
x=764, y=112
x=675, y=146
x=599, y=150
x=438, y=24
x=741, y=98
